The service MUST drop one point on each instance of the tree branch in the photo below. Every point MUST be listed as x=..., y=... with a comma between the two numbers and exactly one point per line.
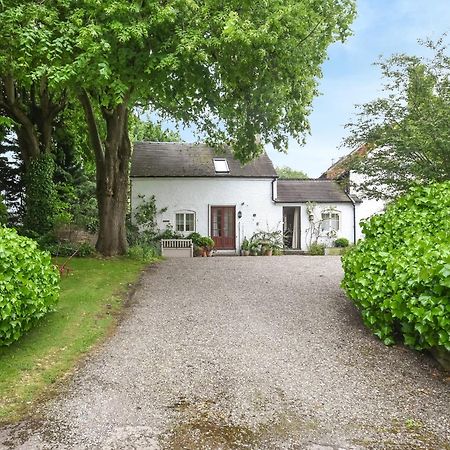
x=94, y=134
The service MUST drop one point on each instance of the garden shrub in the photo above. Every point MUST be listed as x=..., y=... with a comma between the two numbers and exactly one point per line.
x=316, y=249
x=69, y=249
x=144, y=252
x=196, y=239
x=399, y=275
x=341, y=242
x=29, y=285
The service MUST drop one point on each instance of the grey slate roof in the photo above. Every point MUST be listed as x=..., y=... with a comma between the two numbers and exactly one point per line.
x=320, y=191
x=178, y=159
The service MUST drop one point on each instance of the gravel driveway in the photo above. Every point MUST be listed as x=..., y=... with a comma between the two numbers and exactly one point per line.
x=245, y=353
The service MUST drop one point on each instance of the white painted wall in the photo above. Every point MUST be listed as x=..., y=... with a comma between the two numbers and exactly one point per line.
x=251, y=196
x=345, y=211
x=368, y=207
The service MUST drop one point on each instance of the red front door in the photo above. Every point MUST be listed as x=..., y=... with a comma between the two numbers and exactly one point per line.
x=223, y=226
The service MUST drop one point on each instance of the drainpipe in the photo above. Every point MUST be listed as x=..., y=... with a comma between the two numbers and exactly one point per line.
x=354, y=217
x=274, y=195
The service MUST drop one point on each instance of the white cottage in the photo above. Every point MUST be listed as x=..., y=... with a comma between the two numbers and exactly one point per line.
x=213, y=194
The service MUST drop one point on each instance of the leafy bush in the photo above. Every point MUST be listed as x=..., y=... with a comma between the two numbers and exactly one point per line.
x=245, y=245
x=316, y=249
x=29, y=285
x=399, y=275
x=196, y=239
x=169, y=233
x=263, y=241
x=69, y=249
x=206, y=242
x=341, y=242
x=144, y=252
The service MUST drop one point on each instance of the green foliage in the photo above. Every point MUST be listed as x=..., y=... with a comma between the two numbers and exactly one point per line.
x=407, y=130
x=3, y=212
x=286, y=173
x=316, y=249
x=69, y=249
x=206, y=242
x=196, y=238
x=145, y=215
x=341, y=242
x=208, y=57
x=145, y=252
x=245, y=245
x=169, y=233
x=141, y=130
x=399, y=275
x=41, y=206
x=201, y=243
x=74, y=171
x=144, y=229
x=263, y=241
x=28, y=285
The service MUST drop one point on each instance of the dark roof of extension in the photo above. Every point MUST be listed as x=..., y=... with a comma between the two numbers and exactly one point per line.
x=320, y=191
x=179, y=159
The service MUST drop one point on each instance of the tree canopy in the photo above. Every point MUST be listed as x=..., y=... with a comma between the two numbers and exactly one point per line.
x=144, y=130
x=286, y=172
x=406, y=132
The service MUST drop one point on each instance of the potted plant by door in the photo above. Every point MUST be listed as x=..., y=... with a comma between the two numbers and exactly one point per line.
x=254, y=248
x=266, y=248
x=245, y=247
x=207, y=245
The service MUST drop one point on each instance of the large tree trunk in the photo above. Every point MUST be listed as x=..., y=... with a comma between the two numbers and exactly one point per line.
x=112, y=158
x=112, y=191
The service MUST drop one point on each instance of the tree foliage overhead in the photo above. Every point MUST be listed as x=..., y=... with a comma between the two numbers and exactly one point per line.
x=144, y=130
x=285, y=173
x=406, y=131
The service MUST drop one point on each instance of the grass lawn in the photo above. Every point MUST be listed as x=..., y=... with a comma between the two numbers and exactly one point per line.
x=92, y=294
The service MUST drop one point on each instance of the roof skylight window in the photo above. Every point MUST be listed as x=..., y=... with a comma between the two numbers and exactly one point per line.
x=221, y=165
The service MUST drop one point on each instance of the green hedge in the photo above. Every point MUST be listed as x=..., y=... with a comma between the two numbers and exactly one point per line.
x=399, y=275
x=29, y=285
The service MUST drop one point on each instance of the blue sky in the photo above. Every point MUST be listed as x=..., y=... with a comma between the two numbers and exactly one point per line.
x=383, y=27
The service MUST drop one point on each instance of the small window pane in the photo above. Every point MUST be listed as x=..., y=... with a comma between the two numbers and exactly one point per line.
x=185, y=222
x=221, y=165
x=330, y=221
x=180, y=222
x=190, y=223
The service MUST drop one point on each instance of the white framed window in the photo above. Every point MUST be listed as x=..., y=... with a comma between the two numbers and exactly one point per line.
x=330, y=221
x=185, y=221
x=221, y=165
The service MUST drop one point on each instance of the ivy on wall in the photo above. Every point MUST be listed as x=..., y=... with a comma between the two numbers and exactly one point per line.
x=41, y=197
